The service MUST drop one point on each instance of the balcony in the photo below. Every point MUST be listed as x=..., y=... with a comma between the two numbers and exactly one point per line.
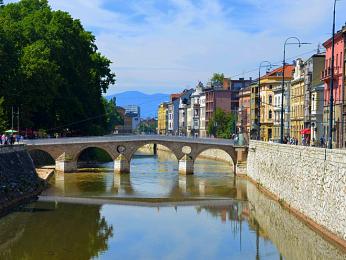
x=327, y=73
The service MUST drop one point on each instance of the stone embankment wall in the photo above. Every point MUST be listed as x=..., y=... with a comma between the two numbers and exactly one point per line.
x=18, y=179
x=311, y=181
x=291, y=236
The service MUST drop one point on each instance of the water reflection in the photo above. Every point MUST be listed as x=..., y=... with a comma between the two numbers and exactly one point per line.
x=151, y=177
x=54, y=231
x=69, y=231
x=249, y=226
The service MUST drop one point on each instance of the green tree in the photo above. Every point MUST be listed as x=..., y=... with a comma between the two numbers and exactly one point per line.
x=2, y=116
x=217, y=78
x=113, y=117
x=148, y=126
x=52, y=70
x=222, y=124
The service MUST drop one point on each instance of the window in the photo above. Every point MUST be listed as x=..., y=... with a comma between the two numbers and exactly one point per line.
x=270, y=100
x=270, y=114
x=337, y=60
x=340, y=59
x=270, y=86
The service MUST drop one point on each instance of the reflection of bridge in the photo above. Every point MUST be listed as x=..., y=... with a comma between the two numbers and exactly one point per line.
x=65, y=151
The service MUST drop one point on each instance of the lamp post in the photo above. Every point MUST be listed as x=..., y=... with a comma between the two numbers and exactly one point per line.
x=299, y=43
x=331, y=93
x=262, y=64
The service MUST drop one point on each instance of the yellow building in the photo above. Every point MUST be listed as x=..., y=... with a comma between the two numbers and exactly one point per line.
x=162, y=119
x=254, y=110
x=297, y=102
x=271, y=103
x=267, y=107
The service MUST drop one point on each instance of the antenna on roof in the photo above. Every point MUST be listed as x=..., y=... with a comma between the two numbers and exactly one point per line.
x=318, y=48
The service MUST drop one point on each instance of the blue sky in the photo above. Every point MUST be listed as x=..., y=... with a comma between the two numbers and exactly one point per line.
x=168, y=45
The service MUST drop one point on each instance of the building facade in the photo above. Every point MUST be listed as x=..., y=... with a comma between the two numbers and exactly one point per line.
x=195, y=111
x=235, y=85
x=297, y=102
x=218, y=96
x=126, y=126
x=338, y=89
x=244, y=120
x=270, y=93
x=162, y=119
x=314, y=97
x=254, y=110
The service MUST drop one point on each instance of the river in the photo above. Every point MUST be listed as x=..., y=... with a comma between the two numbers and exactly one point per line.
x=154, y=213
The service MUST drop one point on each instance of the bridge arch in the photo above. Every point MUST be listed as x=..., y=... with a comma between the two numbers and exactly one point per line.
x=174, y=149
x=40, y=157
x=110, y=152
x=229, y=152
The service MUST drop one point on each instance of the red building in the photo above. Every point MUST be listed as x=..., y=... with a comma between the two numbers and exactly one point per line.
x=216, y=97
x=224, y=96
x=339, y=118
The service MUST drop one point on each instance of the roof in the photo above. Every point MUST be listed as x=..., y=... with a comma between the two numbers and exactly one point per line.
x=289, y=69
x=337, y=37
x=175, y=96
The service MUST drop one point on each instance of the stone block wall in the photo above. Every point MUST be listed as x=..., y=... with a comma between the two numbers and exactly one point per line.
x=18, y=179
x=292, y=237
x=310, y=180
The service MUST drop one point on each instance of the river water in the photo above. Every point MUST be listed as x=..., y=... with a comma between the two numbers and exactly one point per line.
x=154, y=213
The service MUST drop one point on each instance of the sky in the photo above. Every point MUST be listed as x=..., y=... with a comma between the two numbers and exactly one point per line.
x=165, y=46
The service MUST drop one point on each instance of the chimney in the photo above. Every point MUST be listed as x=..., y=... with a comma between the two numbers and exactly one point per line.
x=226, y=84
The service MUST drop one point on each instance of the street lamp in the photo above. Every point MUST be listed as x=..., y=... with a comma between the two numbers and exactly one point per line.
x=299, y=43
x=262, y=64
x=331, y=98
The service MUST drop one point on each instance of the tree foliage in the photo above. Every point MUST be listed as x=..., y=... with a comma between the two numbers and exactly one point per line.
x=217, y=78
x=50, y=67
x=148, y=127
x=113, y=117
x=222, y=124
x=2, y=116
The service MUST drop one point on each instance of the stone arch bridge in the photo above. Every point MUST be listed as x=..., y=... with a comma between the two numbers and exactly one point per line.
x=65, y=151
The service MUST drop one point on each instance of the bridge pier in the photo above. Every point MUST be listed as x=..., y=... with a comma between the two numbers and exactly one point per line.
x=65, y=163
x=186, y=183
x=186, y=165
x=121, y=165
x=240, y=165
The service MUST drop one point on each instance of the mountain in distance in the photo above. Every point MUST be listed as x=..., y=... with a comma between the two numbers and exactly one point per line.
x=147, y=102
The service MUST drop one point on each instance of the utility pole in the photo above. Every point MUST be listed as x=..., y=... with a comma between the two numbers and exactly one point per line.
x=12, y=115
x=18, y=121
x=331, y=98
x=283, y=82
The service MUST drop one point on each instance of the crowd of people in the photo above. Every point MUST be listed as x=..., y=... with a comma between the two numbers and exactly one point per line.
x=305, y=141
x=10, y=139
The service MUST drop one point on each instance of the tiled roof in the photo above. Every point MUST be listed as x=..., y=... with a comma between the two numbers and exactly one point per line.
x=289, y=69
x=175, y=96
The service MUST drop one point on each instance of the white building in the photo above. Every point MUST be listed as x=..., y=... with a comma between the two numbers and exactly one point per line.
x=134, y=112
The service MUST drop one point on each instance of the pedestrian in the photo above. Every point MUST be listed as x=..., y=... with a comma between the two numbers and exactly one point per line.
x=313, y=142
x=11, y=139
x=322, y=141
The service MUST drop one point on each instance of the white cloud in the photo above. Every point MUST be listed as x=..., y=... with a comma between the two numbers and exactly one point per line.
x=167, y=49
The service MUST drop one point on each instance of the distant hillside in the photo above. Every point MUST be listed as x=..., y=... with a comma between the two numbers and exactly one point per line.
x=148, y=103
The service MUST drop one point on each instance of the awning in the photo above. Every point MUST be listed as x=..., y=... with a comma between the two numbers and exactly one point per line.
x=11, y=131
x=306, y=131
